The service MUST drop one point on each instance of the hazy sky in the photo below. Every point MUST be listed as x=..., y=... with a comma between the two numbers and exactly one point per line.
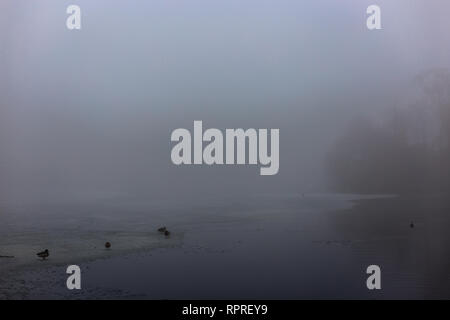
x=91, y=112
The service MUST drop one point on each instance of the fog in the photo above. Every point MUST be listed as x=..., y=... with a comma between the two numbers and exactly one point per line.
x=89, y=113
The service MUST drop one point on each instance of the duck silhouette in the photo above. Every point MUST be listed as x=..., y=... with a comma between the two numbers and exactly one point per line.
x=167, y=233
x=162, y=229
x=43, y=254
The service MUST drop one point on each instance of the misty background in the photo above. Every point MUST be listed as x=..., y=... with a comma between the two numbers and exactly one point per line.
x=89, y=113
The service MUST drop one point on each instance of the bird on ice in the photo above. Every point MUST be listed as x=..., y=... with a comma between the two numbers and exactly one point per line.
x=43, y=254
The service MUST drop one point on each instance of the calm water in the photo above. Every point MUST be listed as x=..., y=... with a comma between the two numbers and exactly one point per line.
x=273, y=247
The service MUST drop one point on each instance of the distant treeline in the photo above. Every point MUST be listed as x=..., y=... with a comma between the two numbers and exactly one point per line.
x=409, y=151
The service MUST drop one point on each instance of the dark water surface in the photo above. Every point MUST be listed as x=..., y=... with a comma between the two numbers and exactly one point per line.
x=313, y=246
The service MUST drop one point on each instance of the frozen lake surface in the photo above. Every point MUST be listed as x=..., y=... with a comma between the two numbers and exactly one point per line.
x=263, y=247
